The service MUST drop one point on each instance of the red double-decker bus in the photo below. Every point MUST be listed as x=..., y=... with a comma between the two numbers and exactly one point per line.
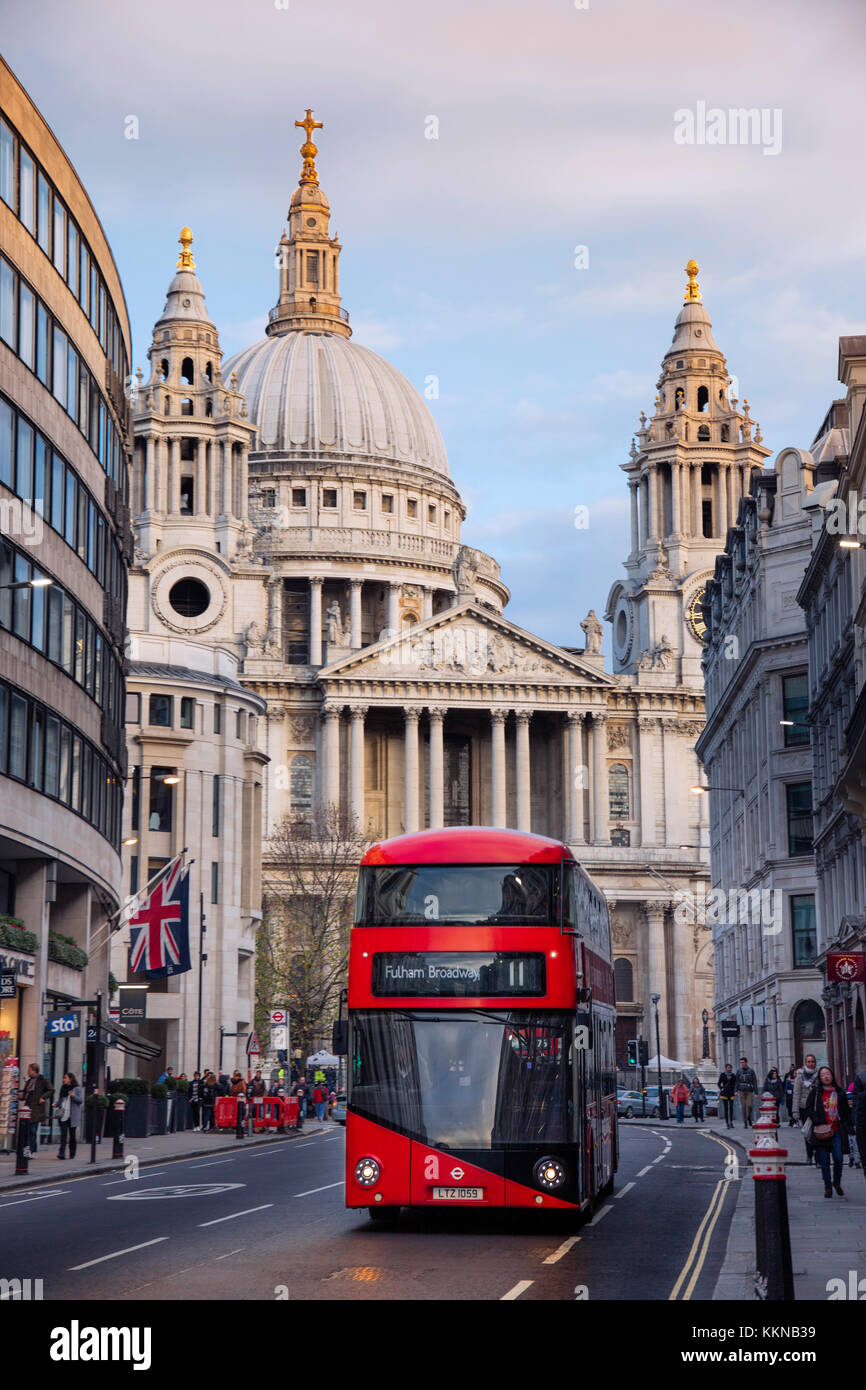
x=481, y=1026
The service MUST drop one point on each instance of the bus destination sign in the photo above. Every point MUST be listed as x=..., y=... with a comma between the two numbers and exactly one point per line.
x=455, y=974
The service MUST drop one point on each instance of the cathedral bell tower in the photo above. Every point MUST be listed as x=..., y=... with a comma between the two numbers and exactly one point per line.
x=308, y=257
x=192, y=433
x=689, y=465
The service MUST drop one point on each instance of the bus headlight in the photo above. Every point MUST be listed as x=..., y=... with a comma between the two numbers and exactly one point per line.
x=367, y=1172
x=549, y=1173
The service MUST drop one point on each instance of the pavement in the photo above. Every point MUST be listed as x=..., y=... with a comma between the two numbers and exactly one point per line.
x=156, y=1148
x=828, y=1237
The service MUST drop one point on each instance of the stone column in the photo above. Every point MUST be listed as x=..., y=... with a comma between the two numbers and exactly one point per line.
x=355, y=587
x=643, y=489
x=410, y=799
x=722, y=493
x=200, y=478
x=228, y=503
x=568, y=791
x=149, y=456
x=653, y=509
x=657, y=975
x=577, y=778
x=674, y=833
x=393, y=619
x=316, y=583
x=331, y=790
x=676, y=484
x=697, y=500
x=426, y=603
x=275, y=612
x=684, y=976
x=635, y=529
x=601, y=803
x=522, y=768
x=173, y=496
x=646, y=748
x=356, y=778
x=437, y=767
x=497, y=741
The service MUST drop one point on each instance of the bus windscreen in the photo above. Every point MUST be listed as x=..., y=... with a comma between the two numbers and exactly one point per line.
x=458, y=894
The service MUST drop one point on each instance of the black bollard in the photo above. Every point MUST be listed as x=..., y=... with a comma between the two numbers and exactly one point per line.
x=774, y=1271
x=241, y=1116
x=22, y=1148
x=117, y=1135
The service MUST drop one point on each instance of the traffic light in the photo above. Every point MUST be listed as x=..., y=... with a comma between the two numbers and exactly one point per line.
x=643, y=1051
x=631, y=1052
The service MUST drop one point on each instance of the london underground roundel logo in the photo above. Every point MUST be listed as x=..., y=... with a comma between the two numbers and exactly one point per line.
x=457, y=1174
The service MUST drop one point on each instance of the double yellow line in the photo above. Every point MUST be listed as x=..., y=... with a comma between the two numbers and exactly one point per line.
x=701, y=1243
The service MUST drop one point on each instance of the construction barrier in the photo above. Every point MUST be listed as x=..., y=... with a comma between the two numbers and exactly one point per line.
x=268, y=1113
x=225, y=1113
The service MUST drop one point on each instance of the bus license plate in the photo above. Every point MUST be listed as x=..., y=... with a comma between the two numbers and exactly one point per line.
x=458, y=1194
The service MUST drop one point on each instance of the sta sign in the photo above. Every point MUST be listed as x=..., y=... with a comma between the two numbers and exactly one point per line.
x=63, y=1026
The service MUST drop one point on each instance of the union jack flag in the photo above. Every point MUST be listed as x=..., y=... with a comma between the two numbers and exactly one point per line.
x=159, y=936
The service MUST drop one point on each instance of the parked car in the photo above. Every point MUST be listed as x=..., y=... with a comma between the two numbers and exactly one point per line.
x=652, y=1101
x=629, y=1103
x=712, y=1100
x=338, y=1112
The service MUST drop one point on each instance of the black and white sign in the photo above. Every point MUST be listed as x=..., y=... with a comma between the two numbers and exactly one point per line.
x=458, y=973
x=8, y=984
x=133, y=1006
x=66, y=1025
x=730, y=1028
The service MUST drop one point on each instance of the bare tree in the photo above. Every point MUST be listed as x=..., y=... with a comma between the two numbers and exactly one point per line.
x=310, y=868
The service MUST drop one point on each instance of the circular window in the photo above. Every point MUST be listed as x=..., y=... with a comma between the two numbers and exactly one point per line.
x=311, y=221
x=189, y=597
x=621, y=628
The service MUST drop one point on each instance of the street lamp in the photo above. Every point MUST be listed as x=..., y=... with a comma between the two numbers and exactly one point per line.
x=702, y=791
x=29, y=583
x=663, y=1109
x=705, y=1018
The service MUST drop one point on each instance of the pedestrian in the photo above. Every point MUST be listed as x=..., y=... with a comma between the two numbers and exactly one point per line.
x=698, y=1098
x=829, y=1117
x=680, y=1094
x=169, y=1072
x=727, y=1091
x=789, y=1094
x=71, y=1100
x=747, y=1085
x=239, y=1091
x=806, y=1078
x=851, y=1135
x=257, y=1086
x=299, y=1091
x=775, y=1086
x=319, y=1098
x=208, y=1099
x=37, y=1090
x=859, y=1095
x=223, y=1084
x=195, y=1099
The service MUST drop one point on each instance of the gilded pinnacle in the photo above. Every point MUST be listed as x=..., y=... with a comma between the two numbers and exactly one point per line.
x=308, y=149
x=692, y=292
x=185, y=260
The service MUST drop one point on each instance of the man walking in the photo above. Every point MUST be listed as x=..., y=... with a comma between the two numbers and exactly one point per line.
x=858, y=1096
x=727, y=1091
x=806, y=1078
x=747, y=1085
x=37, y=1089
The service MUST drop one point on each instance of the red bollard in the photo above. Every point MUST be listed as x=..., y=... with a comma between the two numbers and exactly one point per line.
x=22, y=1148
x=119, y=1122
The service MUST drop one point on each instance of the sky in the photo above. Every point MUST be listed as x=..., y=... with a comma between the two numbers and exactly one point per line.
x=531, y=255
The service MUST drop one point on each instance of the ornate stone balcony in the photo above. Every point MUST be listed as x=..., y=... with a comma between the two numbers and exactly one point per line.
x=357, y=541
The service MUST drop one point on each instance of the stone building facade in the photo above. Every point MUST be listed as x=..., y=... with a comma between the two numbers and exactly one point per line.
x=65, y=435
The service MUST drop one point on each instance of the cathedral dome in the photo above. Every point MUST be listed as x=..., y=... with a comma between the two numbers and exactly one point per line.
x=320, y=393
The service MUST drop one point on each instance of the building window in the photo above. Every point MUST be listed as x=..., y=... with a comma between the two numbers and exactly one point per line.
x=133, y=874
x=623, y=974
x=301, y=785
x=387, y=502
x=217, y=797
x=795, y=701
x=269, y=497
x=805, y=937
x=703, y=434
x=447, y=521
x=412, y=506
x=160, y=711
x=707, y=518
x=329, y=497
x=703, y=398
x=217, y=719
x=299, y=497
x=187, y=496
x=161, y=799
x=617, y=780
x=359, y=501
x=431, y=515
x=312, y=267
x=214, y=883
x=135, y=809
x=620, y=837
x=799, y=801
x=133, y=709
x=187, y=712
x=238, y=723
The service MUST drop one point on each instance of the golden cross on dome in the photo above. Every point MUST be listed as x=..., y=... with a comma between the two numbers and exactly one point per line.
x=692, y=291
x=308, y=149
x=185, y=260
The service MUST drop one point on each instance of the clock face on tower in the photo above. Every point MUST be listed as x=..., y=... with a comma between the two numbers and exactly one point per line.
x=695, y=616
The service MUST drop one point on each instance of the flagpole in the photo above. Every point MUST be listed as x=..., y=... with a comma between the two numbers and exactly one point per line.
x=201, y=961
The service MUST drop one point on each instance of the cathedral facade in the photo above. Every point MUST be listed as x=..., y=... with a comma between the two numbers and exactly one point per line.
x=297, y=502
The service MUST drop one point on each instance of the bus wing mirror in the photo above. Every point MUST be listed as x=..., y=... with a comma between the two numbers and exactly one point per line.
x=340, y=1037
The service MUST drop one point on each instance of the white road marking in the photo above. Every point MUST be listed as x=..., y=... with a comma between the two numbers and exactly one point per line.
x=599, y=1214
x=248, y=1211
x=563, y=1249
x=229, y=1255
x=213, y=1163
x=624, y=1190
x=40, y=1198
x=517, y=1290
x=158, y=1174
x=116, y=1253
x=659, y=1159
x=320, y=1189
x=306, y=1146
x=644, y=1171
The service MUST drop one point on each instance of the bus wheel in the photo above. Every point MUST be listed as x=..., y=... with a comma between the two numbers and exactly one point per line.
x=384, y=1213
